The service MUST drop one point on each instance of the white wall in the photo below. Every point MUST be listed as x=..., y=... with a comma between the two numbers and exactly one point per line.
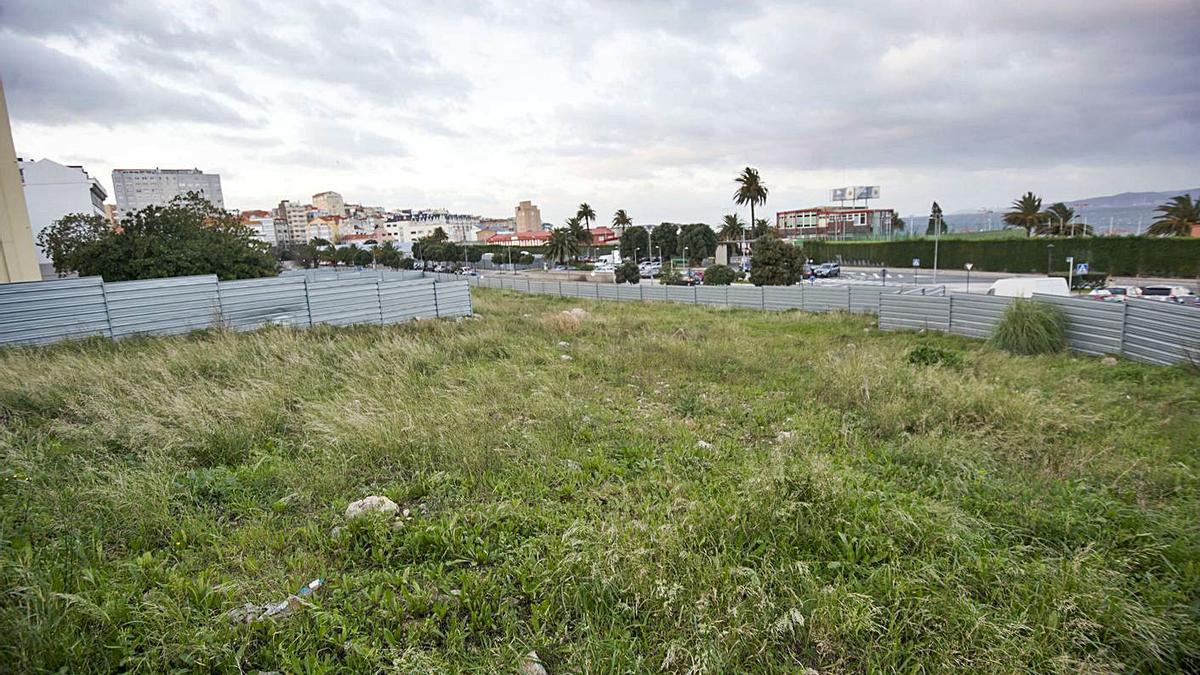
x=51, y=192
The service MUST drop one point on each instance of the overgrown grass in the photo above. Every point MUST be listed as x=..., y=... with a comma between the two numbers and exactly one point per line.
x=694, y=490
x=1030, y=327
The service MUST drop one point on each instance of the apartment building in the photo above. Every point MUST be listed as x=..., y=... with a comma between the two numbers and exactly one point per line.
x=53, y=190
x=135, y=189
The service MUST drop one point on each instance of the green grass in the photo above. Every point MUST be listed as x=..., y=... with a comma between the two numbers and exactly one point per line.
x=696, y=490
x=1029, y=327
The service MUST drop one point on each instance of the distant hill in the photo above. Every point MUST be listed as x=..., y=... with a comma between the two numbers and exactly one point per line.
x=1125, y=213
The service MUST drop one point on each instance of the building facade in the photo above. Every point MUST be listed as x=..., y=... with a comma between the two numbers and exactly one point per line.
x=53, y=190
x=262, y=224
x=291, y=223
x=18, y=260
x=329, y=204
x=135, y=189
x=529, y=217
x=834, y=222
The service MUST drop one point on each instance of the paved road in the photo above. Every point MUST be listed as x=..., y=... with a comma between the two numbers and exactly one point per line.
x=958, y=278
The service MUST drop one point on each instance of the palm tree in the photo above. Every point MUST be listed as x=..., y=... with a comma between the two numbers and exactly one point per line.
x=582, y=237
x=622, y=220
x=1058, y=220
x=750, y=190
x=731, y=228
x=761, y=227
x=1027, y=213
x=562, y=245
x=1178, y=218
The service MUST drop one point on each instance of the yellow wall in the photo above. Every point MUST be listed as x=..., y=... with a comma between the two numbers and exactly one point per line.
x=18, y=259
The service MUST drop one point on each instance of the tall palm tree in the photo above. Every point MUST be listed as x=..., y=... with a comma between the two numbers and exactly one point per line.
x=751, y=189
x=582, y=237
x=562, y=245
x=1027, y=213
x=761, y=227
x=1178, y=218
x=622, y=220
x=587, y=214
x=1058, y=220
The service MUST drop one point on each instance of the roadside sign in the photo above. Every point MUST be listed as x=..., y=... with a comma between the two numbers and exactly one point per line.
x=916, y=262
x=1081, y=268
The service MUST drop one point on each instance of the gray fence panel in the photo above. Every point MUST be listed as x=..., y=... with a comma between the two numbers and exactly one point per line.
x=401, y=301
x=818, y=299
x=1161, y=332
x=345, y=302
x=453, y=298
x=521, y=285
x=914, y=312
x=740, y=295
x=651, y=292
x=865, y=299
x=629, y=291
x=589, y=290
x=1093, y=327
x=247, y=304
x=608, y=292
x=976, y=315
x=779, y=298
x=717, y=296
x=684, y=294
x=568, y=289
x=162, y=306
x=42, y=312
x=506, y=282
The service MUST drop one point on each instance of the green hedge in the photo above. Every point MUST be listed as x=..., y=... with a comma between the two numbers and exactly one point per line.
x=1124, y=256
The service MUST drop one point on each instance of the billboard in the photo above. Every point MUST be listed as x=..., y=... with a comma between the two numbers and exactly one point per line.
x=854, y=192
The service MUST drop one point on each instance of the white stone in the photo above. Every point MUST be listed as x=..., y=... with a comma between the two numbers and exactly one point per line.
x=532, y=665
x=563, y=344
x=704, y=445
x=565, y=357
x=372, y=504
x=1109, y=361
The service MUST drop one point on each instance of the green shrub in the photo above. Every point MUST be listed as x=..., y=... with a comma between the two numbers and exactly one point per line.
x=1031, y=327
x=719, y=275
x=928, y=355
x=627, y=273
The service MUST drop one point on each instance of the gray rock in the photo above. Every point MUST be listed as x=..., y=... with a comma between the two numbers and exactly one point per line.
x=372, y=504
x=1109, y=361
x=704, y=445
x=532, y=665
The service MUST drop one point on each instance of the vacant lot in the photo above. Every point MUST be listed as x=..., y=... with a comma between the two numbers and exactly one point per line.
x=692, y=490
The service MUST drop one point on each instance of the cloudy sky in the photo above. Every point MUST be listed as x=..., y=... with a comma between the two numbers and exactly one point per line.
x=651, y=106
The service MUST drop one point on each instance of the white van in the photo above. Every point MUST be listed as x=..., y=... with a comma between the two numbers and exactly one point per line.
x=1025, y=287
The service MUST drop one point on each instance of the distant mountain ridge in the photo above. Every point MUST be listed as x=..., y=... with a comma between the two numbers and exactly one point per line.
x=1132, y=199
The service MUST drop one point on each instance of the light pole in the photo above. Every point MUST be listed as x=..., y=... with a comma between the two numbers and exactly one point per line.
x=969, y=266
x=1070, y=272
x=937, y=234
x=1049, y=251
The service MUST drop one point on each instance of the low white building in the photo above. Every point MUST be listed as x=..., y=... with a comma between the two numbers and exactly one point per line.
x=53, y=190
x=263, y=226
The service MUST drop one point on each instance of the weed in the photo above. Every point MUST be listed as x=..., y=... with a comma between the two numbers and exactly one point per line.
x=1031, y=327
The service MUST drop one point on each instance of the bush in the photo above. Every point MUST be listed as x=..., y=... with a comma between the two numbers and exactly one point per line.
x=720, y=275
x=928, y=355
x=1031, y=327
x=627, y=273
x=775, y=262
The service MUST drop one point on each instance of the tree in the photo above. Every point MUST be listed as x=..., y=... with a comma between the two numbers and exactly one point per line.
x=363, y=257
x=582, y=236
x=751, y=190
x=1027, y=213
x=1178, y=217
x=775, y=262
x=562, y=245
x=1058, y=222
x=897, y=222
x=731, y=228
x=346, y=255
x=64, y=241
x=439, y=235
x=664, y=240
x=388, y=255
x=306, y=254
x=761, y=227
x=634, y=242
x=627, y=273
x=586, y=214
x=937, y=224
x=187, y=236
x=699, y=240
x=719, y=275
x=621, y=220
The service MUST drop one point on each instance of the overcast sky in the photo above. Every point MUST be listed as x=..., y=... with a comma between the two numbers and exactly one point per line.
x=643, y=105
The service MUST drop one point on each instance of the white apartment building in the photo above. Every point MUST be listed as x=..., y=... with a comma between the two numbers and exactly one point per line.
x=53, y=190
x=460, y=228
x=291, y=223
x=263, y=226
x=135, y=189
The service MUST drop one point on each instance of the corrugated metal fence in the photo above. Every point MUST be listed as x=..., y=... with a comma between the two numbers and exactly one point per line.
x=1142, y=330
x=43, y=312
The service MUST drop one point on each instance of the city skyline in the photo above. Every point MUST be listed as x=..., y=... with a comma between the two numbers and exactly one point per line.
x=652, y=109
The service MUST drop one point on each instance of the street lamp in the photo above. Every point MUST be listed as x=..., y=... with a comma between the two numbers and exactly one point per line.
x=1049, y=251
x=969, y=266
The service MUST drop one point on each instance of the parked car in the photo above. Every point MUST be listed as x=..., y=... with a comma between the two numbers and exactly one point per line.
x=1025, y=287
x=828, y=270
x=1168, y=293
x=1116, y=293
